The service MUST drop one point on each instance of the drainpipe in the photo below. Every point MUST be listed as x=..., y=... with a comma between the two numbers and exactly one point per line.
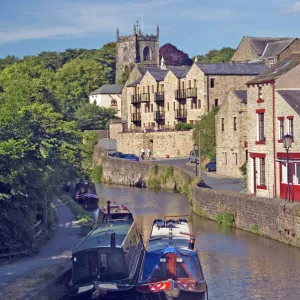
x=274, y=143
x=207, y=93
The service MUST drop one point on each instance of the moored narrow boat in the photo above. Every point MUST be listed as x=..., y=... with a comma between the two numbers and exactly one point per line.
x=107, y=262
x=85, y=193
x=171, y=267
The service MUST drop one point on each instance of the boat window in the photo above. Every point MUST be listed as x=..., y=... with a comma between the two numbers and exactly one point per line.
x=180, y=271
x=160, y=271
x=120, y=216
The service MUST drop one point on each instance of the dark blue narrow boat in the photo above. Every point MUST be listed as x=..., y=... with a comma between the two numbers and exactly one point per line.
x=171, y=267
x=107, y=262
x=85, y=193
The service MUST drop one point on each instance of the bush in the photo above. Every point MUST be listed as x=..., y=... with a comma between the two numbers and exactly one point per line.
x=226, y=219
x=97, y=174
x=254, y=228
x=183, y=126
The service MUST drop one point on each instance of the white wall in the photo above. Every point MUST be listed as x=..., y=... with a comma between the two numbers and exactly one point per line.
x=105, y=100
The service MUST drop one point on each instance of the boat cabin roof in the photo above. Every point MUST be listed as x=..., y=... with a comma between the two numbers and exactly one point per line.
x=162, y=231
x=101, y=235
x=115, y=209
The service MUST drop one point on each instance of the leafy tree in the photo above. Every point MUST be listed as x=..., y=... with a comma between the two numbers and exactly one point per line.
x=90, y=116
x=174, y=56
x=207, y=135
x=216, y=56
x=8, y=60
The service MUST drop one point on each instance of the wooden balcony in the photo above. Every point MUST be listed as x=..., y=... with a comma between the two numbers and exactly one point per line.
x=180, y=94
x=180, y=114
x=145, y=97
x=159, y=116
x=159, y=97
x=191, y=93
x=136, y=117
x=135, y=99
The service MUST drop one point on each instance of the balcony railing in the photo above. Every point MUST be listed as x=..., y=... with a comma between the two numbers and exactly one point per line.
x=159, y=115
x=136, y=117
x=180, y=94
x=135, y=99
x=180, y=114
x=159, y=97
x=145, y=97
x=191, y=93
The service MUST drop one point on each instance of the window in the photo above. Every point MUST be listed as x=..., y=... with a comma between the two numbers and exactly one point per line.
x=296, y=175
x=152, y=89
x=261, y=127
x=199, y=103
x=262, y=171
x=260, y=92
x=151, y=107
x=212, y=83
x=190, y=83
x=143, y=89
x=192, y=122
x=222, y=124
x=234, y=123
x=162, y=88
x=148, y=89
x=216, y=102
x=174, y=106
x=291, y=126
x=192, y=104
x=235, y=159
x=195, y=83
x=271, y=62
x=281, y=129
x=224, y=158
x=168, y=106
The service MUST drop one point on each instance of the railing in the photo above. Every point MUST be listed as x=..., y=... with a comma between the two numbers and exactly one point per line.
x=135, y=99
x=136, y=117
x=191, y=92
x=159, y=97
x=180, y=94
x=180, y=114
x=164, y=128
x=159, y=115
x=145, y=97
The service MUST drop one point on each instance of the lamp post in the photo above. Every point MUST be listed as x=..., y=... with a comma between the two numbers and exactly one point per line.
x=287, y=140
x=195, y=150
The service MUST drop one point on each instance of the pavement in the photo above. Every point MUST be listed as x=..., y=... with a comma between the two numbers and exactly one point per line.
x=212, y=179
x=57, y=250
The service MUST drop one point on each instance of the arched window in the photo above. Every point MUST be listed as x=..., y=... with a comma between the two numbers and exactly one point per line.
x=113, y=102
x=126, y=54
x=147, y=54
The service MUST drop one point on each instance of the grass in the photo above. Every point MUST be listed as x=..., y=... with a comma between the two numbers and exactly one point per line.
x=225, y=219
x=96, y=174
x=254, y=228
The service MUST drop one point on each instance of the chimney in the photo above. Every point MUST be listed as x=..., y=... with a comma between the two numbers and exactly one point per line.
x=196, y=59
x=162, y=64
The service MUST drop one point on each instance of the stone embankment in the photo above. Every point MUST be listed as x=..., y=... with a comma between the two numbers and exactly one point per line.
x=273, y=218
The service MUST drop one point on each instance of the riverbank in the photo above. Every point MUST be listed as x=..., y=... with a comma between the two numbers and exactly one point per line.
x=273, y=218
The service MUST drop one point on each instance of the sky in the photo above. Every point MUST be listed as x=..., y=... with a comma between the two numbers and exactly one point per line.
x=28, y=27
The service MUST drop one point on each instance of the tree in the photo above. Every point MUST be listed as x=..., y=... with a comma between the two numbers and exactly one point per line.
x=216, y=56
x=8, y=60
x=173, y=56
x=90, y=116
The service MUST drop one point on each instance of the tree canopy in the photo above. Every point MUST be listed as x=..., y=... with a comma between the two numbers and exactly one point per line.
x=216, y=56
x=174, y=56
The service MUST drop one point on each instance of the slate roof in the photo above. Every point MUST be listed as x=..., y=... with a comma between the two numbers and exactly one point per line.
x=158, y=75
x=108, y=89
x=242, y=94
x=277, y=70
x=260, y=43
x=134, y=83
x=292, y=97
x=232, y=68
x=179, y=71
x=275, y=48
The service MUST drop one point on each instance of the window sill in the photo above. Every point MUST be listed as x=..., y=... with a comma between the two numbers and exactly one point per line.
x=280, y=141
x=261, y=187
x=260, y=101
x=260, y=142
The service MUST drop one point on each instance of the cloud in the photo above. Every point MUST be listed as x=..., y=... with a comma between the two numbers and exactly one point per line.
x=294, y=8
x=69, y=18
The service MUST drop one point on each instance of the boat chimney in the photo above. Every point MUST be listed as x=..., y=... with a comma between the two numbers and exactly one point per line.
x=108, y=208
x=113, y=240
x=192, y=243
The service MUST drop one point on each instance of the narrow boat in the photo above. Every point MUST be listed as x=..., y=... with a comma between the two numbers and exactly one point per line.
x=107, y=262
x=85, y=193
x=171, y=267
x=113, y=211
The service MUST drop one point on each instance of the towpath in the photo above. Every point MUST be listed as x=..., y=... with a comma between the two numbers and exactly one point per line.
x=57, y=250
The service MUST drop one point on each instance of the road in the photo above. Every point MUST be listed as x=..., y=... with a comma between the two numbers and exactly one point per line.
x=210, y=178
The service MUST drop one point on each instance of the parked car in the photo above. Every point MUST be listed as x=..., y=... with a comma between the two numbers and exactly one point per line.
x=116, y=154
x=131, y=157
x=193, y=157
x=211, y=166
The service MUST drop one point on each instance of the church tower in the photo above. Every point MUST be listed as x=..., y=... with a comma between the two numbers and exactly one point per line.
x=136, y=48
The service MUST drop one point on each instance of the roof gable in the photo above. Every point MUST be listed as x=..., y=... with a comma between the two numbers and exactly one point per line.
x=275, y=48
x=242, y=95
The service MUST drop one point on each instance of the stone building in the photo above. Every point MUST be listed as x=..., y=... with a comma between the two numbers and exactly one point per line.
x=272, y=111
x=136, y=48
x=231, y=134
x=268, y=49
x=108, y=96
x=166, y=96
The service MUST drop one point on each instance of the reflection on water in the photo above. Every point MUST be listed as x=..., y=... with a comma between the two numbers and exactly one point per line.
x=237, y=265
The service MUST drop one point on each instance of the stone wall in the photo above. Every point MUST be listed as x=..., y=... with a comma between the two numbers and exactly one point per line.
x=244, y=52
x=174, y=144
x=274, y=218
x=114, y=130
x=292, y=48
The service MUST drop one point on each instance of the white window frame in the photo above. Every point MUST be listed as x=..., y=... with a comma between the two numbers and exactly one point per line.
x=271, y=62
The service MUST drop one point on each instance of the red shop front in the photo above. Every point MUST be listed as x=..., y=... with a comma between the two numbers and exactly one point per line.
x=293, y=177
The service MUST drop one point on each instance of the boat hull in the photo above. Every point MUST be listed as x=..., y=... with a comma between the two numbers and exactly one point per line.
x=183, y=295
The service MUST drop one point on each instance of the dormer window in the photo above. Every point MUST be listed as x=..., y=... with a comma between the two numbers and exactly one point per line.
x=271, y=62
x=260, y=92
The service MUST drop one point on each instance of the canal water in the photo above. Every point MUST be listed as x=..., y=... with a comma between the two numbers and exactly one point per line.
x=237, y=265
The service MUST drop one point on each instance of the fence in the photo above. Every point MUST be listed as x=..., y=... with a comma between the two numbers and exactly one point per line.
x=9, y=252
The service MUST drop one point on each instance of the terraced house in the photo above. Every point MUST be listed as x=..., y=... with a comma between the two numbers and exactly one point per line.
x=272, y=112
x=165, y=96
